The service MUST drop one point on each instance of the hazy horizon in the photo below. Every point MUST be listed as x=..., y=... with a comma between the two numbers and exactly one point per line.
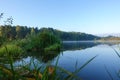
x=88, y=16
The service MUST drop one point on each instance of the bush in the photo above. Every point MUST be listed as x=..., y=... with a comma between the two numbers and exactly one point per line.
x=12, y=49
x=43, y=40
x=39, y=42
x=54, y=47
x=2, y=40
x=25, y=44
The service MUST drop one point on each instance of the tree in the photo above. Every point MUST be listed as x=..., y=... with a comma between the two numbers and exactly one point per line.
x=18, y=31
x=32, y=31
x=1, y=15
x=9, y=21
x=1, y=28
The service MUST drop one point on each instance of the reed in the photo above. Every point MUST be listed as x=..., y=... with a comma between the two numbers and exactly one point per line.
x=12, y=49
x=47, y=72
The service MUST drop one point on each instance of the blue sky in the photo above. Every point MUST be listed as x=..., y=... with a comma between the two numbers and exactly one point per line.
x=89, y=16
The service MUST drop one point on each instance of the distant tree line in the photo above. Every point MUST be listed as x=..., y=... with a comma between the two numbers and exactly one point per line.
x=19, y=32
x=70, y=35
x=16, y=32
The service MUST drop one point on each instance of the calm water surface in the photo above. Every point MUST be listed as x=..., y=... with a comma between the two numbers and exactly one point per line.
x=80, y=52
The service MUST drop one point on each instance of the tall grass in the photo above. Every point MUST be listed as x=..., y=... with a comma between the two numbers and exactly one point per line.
x=47, y=72
x=12, y=49
x=7, y=50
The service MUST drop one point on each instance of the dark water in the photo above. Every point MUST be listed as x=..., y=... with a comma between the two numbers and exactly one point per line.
x=104, y=67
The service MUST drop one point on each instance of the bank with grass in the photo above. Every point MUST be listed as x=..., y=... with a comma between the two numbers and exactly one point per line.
x=43, y=42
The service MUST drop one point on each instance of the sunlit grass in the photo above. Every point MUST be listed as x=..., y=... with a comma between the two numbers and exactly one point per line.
x=12, y=49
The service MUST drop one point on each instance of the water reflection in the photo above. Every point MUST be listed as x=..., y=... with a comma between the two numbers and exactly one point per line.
x=95, y=70
x=72, y=52
x=43, y=56
x=67, y=46
x=80, y=45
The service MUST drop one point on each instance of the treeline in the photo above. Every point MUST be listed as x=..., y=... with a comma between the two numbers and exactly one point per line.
x=16, y=32
x=20, y=32
x=69, y=36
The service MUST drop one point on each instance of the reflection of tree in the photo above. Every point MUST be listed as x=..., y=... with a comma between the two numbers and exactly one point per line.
x=44, y=56
x=78, y=45
x=49, y=56
x=83, y=45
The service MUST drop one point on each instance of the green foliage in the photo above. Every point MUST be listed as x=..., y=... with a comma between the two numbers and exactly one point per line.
x=12, y=49
x=54, y=47
x=16, y=32
x=46, y=39
x=20, y=32
x=2, y=40
x=23, y=43
x=42, y=41
x=69, y=36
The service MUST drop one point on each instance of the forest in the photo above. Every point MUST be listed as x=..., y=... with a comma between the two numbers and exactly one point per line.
x=19, y=32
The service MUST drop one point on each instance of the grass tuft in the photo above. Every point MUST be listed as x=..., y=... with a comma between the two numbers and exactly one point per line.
x=12, y=49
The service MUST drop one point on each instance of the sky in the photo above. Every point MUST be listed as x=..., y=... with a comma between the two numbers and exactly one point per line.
x=89, y=16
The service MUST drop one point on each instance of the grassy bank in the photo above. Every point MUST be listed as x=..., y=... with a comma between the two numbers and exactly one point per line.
x=43, y=42
x=12, y=49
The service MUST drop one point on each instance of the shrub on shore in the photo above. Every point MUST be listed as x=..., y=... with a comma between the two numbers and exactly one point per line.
x=12, y=49
x=54, y=47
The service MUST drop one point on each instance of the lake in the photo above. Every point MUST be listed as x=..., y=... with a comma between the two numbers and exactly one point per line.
x=74, y=54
